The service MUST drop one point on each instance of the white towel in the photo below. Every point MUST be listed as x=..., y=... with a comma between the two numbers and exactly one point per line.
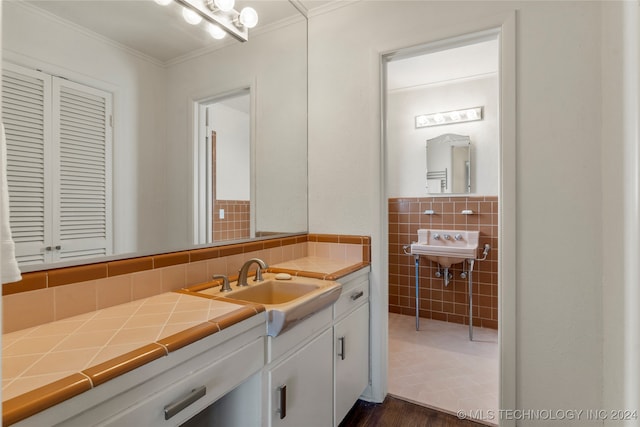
x=9, y=271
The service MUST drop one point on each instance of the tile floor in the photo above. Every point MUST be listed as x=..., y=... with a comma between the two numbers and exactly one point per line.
x=439, y=367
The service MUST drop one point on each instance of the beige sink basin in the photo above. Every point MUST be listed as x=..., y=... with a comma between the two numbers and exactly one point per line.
x=287, y=301
x=446, y=247
x=271, y=292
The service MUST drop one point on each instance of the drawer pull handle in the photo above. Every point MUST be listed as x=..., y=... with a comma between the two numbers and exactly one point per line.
x=342, y=352
x=283, y=400
x=173, y=408
x=356, y=296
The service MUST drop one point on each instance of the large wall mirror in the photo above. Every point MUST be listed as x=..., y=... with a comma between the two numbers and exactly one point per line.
x=156, y=74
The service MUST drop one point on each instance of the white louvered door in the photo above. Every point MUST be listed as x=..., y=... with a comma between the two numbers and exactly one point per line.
x=26, y=113
x=82, y=210
x=58, y=166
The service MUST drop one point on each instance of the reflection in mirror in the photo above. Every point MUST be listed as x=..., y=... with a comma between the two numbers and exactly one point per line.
x=449, y=164
x=223, y=165
x=153, y=67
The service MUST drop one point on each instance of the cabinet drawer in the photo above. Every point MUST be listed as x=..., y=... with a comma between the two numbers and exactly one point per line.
x=218, y=378
x=354, y=293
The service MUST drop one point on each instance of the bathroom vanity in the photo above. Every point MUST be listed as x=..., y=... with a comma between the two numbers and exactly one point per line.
x=224, y=371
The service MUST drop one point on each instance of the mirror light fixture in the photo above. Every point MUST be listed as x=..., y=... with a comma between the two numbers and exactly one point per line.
x=449, y=117
x=220, y=17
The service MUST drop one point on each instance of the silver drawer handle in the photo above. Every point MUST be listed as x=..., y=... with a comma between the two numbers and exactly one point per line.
x=356, y=296
x=173, y=408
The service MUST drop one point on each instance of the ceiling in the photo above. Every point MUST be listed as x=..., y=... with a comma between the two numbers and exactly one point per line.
x=159, y=31
x=472, y=60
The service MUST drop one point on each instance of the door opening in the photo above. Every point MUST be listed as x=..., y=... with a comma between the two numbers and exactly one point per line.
x=441, y=81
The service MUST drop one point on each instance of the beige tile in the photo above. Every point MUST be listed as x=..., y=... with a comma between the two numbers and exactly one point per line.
x=13, y=366
x=141, y=336
x=353, y=253
x=146, y=284
x=300, y=250
x=337, y=251
x=61, y=361
x=276, y=255
x=113, y=290
x=39, y=304
x=216, y=266
x=323, y=250
x=174, y=277
x=85, y=340
x=74, y=299
x=31, y=345
x=100, y=324
x=196, y=273
x=142, y=320
x=234, y=263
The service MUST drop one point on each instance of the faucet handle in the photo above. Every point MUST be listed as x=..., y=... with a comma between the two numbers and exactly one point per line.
x=226, y=287
x=258, y=277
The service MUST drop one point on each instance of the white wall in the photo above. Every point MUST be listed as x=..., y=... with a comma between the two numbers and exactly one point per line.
x=407, y=154
x=279, y=97
x=621, y=218
x=35, y=39
x=233, y=149
x=559, y=193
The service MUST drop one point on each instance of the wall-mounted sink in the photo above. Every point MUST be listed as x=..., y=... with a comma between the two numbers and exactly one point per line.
x=286, y=301
x=446, y=247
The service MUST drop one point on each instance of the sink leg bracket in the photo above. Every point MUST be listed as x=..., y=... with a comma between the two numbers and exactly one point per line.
x=417, y=262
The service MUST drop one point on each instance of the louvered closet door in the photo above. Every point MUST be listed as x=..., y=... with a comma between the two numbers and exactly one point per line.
x=82, y=212
x=26, y=113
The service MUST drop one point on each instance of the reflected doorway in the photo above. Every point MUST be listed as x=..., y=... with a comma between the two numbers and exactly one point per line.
x=223, y=161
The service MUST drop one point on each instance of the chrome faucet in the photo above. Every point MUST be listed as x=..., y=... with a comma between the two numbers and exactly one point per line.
x=225, y=282
x=244, y=271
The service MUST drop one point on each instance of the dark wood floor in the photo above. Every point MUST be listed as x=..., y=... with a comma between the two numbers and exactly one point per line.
x=396, y=412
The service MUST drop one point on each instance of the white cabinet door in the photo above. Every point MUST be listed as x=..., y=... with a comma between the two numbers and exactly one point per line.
x=301, y=386
x=351, y=348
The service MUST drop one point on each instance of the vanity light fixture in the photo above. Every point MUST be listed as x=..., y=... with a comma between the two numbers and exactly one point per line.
x=220, y=17
x=449, y=117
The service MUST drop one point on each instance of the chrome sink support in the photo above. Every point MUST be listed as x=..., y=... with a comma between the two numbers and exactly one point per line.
x=417, y=262
x=469, y=272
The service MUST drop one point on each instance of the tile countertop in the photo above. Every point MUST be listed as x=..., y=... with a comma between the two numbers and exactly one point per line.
x=47, y=364
x=317, y=267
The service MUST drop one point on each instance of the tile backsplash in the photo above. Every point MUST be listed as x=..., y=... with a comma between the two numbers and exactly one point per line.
x=50, y=295
x=450, y=303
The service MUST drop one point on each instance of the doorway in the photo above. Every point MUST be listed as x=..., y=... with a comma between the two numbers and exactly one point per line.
x=223, y=164
x=427, y=90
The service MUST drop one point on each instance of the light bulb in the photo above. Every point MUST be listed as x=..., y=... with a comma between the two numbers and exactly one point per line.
x=224, y=5
x=248, y=17
x=216, y=32
x=163, y=2
x=190, y=16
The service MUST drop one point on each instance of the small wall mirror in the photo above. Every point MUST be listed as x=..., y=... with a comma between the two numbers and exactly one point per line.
x=449, y=164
